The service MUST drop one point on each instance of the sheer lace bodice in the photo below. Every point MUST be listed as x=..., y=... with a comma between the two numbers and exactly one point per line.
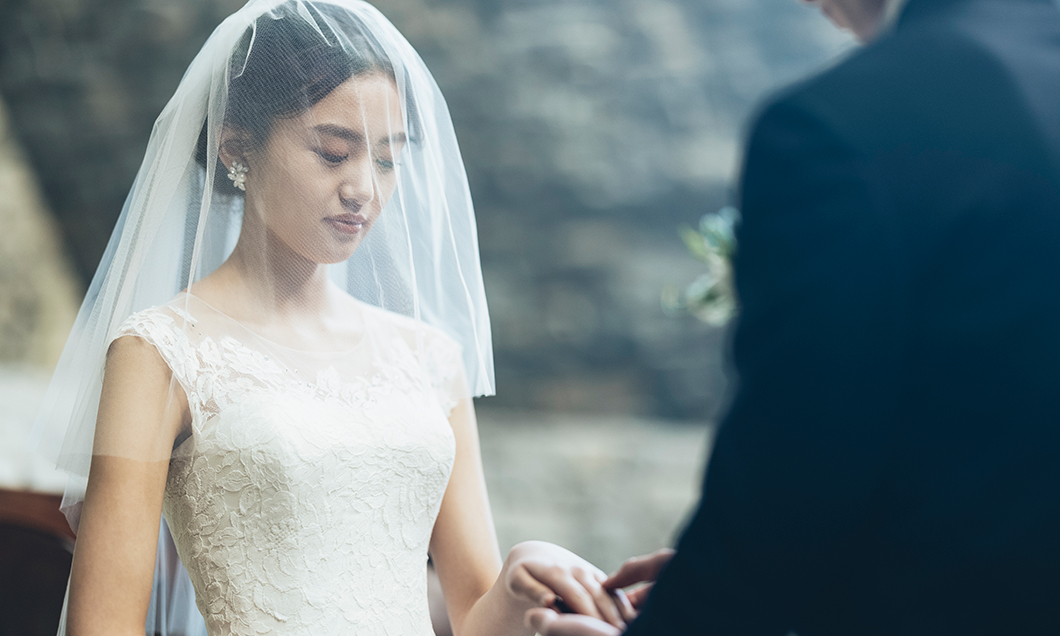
x=303, y=500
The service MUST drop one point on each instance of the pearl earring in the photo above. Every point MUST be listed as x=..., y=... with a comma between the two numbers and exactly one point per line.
x=238, y=174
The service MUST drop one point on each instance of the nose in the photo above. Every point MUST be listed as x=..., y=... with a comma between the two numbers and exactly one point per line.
x=358, y=184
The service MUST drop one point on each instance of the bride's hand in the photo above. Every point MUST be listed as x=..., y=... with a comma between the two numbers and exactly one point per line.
x=543, y=573
x=548, y=623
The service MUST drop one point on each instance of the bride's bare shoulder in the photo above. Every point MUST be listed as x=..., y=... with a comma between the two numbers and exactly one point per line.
x=224, y=293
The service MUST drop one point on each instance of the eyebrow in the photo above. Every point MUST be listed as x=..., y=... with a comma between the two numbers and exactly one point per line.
x=350, y=135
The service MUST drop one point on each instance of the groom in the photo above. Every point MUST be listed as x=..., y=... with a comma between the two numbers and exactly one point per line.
x=891, y=462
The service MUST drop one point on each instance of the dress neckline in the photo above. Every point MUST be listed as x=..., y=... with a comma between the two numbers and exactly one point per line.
x=272, y=342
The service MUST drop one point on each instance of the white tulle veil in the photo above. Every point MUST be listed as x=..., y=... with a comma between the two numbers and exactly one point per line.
x=182, y=218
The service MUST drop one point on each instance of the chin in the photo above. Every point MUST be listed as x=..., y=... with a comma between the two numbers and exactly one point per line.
x=863, y=26
x=334, y=257
x=867, y=30
x=347, y=251
x=326, y=248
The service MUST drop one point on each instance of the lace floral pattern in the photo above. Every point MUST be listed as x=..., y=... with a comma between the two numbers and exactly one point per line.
x=304, y=507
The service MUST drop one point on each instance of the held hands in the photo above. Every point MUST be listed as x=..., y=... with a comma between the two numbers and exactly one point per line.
x=548, y=576
x=644, y=569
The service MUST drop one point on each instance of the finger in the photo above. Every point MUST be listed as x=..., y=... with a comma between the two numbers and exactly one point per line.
x=548, y=623
x=523, y=584
x=539, y=619
x=605, y=603
x=560, y=581
x=639, y=596
x=625, y=607
x=639, y=569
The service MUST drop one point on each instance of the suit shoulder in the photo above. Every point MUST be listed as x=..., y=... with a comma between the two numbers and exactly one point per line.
x=916, y=86
x=927, y=59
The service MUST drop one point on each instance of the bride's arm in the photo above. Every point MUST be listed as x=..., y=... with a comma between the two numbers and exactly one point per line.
x=485, y=596
x=139, y=418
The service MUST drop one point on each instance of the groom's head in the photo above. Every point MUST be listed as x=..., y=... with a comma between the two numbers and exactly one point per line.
x=861, y=17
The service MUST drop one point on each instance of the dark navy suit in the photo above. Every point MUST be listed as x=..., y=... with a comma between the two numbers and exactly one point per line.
x=891, y=461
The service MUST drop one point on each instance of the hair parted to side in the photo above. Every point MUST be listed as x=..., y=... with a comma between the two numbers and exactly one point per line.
x=285, y=63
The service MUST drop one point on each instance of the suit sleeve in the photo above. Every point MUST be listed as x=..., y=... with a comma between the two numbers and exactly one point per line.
x=794, y=480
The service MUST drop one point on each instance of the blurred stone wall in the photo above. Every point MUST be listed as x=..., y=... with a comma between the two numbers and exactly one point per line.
x=84, y=81
x=39, y=294
x=590, y=128
x=605, y=487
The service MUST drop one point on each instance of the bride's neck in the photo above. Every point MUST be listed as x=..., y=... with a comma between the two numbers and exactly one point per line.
x=276, y=279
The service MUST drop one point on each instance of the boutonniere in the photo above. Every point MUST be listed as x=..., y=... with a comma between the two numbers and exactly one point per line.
x=711, y=297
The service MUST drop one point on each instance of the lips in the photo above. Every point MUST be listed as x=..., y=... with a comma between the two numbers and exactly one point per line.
x=349, y=223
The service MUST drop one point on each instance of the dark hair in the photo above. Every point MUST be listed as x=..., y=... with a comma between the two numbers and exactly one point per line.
x=284, y=64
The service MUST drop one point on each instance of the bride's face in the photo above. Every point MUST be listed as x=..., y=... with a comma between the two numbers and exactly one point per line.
x=323, y=177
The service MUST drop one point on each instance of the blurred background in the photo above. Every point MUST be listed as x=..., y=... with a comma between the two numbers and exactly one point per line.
x=591, y=130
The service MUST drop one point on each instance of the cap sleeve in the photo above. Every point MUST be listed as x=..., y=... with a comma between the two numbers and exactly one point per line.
x=446, y=366
x=163, y=328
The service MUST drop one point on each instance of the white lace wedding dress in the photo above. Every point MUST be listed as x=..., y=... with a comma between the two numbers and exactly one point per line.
x=304, y=498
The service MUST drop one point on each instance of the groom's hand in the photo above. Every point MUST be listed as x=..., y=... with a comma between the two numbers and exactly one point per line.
x=642, y=569
x=548, y=623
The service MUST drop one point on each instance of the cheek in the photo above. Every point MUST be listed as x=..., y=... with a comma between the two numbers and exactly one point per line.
x=291, y=190
x=300, y=188
x=298, y=176
x=386, y=187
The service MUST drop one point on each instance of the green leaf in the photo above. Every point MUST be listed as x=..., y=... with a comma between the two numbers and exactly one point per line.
x=694, y=242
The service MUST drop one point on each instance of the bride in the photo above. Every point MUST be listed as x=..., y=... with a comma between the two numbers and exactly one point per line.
x=278, y=354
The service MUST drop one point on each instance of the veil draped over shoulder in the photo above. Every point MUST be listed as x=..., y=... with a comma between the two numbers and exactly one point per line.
x=272, y=61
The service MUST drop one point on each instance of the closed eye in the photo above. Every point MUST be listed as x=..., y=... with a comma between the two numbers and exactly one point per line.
x=332, y=159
